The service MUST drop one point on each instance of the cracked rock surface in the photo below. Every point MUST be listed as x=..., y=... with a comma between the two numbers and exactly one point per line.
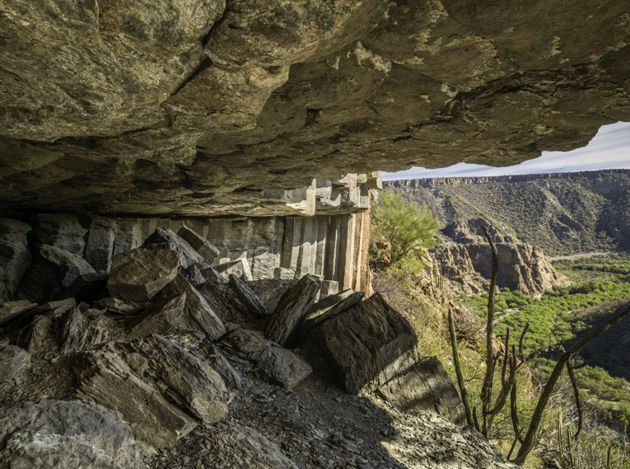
x=199, y=107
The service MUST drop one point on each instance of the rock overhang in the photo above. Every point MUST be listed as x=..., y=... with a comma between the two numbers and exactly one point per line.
x=198, y=107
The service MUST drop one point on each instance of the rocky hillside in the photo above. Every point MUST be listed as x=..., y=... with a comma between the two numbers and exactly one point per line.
x=162, y=360
x=561, y=213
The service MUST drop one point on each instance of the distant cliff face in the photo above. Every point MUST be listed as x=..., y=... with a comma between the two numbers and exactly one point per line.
x=561, y=213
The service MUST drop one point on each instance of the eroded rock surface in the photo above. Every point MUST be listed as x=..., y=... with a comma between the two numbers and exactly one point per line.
x=202, y=108
x=62, y=434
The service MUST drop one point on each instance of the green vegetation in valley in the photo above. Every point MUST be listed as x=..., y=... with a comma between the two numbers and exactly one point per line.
x=553, y=321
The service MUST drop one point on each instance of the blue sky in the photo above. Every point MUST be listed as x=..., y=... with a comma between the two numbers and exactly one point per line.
x=609, y=149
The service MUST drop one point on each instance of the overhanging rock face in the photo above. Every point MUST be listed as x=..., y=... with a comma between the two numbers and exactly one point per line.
x=202, y=107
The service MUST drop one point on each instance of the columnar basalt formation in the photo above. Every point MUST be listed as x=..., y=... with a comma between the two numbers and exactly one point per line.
x=200, y=107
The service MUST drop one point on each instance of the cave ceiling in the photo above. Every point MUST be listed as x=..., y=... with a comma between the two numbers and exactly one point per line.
x=206, y=107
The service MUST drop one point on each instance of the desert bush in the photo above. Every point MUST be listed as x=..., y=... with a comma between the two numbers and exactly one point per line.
x=403, y=231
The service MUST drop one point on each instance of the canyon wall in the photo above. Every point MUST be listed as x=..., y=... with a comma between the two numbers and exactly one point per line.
x=561, y=213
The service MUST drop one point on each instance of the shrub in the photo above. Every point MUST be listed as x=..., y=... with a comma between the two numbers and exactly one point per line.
x=405, y=228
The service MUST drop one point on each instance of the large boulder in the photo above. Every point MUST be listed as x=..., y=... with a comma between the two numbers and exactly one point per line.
x=62, y=230
x=277, y=364
x=291, y=309
x=140, y=274
x=160, y=389
x=64, y=434
x=423, y=388
x=14, y=255
x=246, y=296
x=52, y=270
x=330, y=307
x=368, y=344
x=200, y=314
x=204, y=247
x=163, y=238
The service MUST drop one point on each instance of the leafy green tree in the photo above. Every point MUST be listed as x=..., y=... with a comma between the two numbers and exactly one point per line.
x=406, y=227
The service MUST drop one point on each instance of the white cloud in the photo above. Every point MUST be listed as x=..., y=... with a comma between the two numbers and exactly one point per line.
x=609, y=149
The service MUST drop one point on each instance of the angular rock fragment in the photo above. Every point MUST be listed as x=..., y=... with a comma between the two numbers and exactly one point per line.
x=99, y=249
x=61, y=230
x=291, y=309
x=329, y=307
x=64, y=434
x=140, y=274
x=118, y=306
x=14, y=309
x=282, y=366
x=165, y=317
x=231, y=444
x=81, y=330
x=238, y=267
x=282, y=273
x=15, y=256
x=368, y=344
x=51, y=272
x=247, y=297
x=160, y=389
x=194, y=275
x=163, y=238
x=278, y=365
x=40, y=335
x=204, y=247
x=211, y=275
x=425, y=387
x=198, y=312
x=13, y=359
x=207, y=351
x=329, y=287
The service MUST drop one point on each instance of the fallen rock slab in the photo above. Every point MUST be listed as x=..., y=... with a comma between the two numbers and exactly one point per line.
x=161, y=390
x=368, y=344
x=14, y=309
x=63, y=434
x=247, y=297
x=138, y=275
x=196, y=308
x=278, y=365
x=200, y=244
x=238, y=267
x=423, y=388
x=51, y=271
x=163, y=238
x=291, y=309
x=13, y=359
x=329, y=307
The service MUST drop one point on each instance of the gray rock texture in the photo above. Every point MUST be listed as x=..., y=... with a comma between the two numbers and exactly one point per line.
x=193, y=107
x=368, y=344
x=64, y=434
x=140, y=274
x=291, y=309
x=425, y=388
x=161, y=390
x=13, y=359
